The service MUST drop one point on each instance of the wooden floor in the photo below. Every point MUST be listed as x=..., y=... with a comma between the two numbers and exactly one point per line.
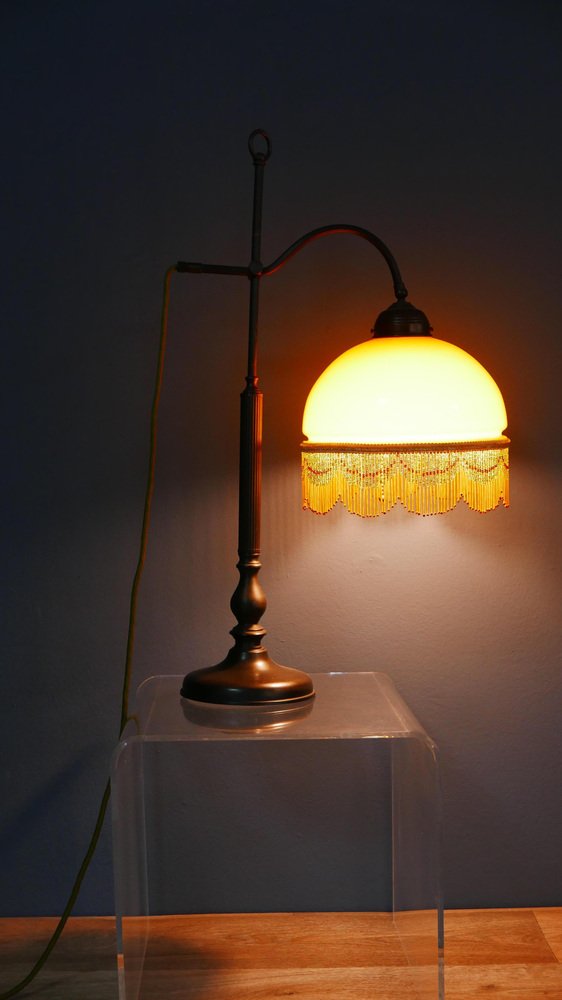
x=500, y=954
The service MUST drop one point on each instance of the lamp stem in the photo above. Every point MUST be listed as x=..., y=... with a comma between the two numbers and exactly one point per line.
x=248, y=675
x=248, y=601
x=251, y=400
x=259, y=159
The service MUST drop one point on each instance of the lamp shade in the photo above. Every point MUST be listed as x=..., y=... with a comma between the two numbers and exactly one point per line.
x=409, y=418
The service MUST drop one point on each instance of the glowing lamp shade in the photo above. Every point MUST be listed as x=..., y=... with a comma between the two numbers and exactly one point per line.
x=408, y=418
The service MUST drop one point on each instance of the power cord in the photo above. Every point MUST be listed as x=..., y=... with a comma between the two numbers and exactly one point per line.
x=74, y=892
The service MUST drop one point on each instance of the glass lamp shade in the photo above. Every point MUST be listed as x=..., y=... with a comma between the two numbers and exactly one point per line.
x=408, y=418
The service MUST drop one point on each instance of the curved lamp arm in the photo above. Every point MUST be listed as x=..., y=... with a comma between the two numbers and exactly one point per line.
x=400, y=289
x=256, y=270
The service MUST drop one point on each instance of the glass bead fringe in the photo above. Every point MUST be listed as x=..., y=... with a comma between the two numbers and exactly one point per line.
x=425, y=482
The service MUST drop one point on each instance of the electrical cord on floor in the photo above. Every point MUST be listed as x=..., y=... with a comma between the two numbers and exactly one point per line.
x=74, y=892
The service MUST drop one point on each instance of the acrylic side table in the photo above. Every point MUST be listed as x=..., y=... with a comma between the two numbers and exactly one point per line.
x=326, y=807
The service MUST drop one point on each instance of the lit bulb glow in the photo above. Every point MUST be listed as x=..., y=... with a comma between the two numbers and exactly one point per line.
x=413, y=419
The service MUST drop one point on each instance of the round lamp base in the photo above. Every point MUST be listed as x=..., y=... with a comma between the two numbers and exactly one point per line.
x=252, y=678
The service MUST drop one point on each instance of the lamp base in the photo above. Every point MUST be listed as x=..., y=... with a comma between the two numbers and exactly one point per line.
x=247, y=678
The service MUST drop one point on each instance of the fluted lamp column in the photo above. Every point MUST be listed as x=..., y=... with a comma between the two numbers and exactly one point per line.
x=403, y=417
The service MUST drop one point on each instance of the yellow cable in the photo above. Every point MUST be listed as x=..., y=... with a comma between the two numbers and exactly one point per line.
x=74, y=892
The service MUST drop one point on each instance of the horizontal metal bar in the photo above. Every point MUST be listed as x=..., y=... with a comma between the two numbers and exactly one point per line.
x=193, y=267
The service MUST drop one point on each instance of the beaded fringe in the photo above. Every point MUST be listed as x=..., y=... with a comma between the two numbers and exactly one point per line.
x=369, y=483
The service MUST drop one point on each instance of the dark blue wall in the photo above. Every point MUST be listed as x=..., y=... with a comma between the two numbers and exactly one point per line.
x=124, y=125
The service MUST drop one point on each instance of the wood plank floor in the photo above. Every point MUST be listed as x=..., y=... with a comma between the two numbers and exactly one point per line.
x=504, y=954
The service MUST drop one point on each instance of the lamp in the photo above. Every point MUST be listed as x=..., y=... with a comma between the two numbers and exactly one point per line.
x=403, y=416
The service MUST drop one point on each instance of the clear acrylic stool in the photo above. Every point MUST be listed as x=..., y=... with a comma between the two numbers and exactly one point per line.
x=326, y=806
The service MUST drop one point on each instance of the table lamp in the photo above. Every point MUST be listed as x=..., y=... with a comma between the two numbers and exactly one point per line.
x=401, y=417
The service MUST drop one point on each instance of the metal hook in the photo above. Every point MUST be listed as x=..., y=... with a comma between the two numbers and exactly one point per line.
x=257, y=156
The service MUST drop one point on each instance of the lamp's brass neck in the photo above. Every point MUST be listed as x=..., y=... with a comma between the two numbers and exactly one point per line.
x=402, y=319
